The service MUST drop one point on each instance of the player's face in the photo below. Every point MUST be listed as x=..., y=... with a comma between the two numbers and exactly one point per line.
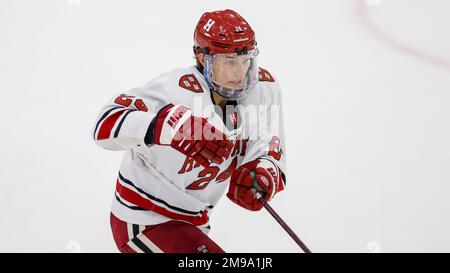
x=232, y=76
x=230, y=72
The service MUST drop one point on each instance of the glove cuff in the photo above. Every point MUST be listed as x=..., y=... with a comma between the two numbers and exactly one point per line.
x=168, y=121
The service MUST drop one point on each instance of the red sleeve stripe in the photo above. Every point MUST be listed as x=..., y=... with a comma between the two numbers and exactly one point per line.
x=105, y=114
x=119, y=126
x=108, y=124
x=136, y=199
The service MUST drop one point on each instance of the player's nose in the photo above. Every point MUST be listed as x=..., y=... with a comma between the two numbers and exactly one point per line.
x=238, y=74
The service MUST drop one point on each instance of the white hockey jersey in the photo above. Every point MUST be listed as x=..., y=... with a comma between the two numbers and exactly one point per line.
x=156, y=183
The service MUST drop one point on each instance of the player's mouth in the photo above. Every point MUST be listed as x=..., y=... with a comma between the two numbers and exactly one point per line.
x=235, y=84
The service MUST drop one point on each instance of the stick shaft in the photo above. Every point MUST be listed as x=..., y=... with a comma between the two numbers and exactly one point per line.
x=285, y=226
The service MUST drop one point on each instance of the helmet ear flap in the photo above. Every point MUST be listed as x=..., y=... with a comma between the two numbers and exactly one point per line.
x=207, y=70
x=197, y=50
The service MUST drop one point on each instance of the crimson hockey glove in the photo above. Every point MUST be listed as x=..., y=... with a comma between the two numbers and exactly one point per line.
x=261, y=176
x=194, y=137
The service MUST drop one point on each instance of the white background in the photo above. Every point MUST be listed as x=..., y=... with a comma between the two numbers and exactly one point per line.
x=367, y=105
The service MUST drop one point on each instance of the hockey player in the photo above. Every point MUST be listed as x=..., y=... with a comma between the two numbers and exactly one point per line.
x=180, y=157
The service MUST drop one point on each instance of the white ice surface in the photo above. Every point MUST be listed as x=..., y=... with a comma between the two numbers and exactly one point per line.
x=367, y=108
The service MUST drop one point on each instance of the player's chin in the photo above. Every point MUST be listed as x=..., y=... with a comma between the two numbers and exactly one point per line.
x=237, y=85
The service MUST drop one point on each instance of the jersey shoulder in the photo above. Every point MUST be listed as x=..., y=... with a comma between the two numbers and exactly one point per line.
x=186, y=79
x=266, y=91
x=177, y=86
x=264, y=75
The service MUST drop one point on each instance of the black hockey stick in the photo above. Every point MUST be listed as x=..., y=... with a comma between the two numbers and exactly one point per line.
x=279, y=220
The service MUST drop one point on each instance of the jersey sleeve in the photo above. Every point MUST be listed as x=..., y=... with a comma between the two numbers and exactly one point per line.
x=124, y=122
x=266, y=133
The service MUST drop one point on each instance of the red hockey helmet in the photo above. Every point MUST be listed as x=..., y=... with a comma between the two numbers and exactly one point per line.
x=230, y=63
x=223, y=31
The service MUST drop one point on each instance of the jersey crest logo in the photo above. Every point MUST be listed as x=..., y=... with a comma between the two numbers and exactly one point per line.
x=190, y=83
x=264, y=76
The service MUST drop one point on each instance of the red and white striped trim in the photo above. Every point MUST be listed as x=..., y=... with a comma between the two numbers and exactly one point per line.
x=109, y=123
x=129, y=194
